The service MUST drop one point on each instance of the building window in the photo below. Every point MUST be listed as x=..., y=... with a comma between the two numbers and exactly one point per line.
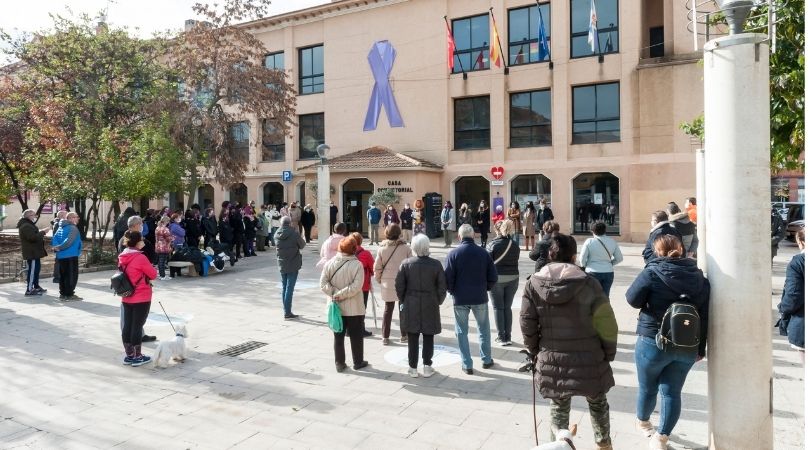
x=274, y=61
x=596, y=114
x=310, y=69
x=272, y=142
x=530, y=119
x=607, y=13
x=524, y=34
x=471, y=123
x=310, y=135
x=240, y=139
x=472, y=43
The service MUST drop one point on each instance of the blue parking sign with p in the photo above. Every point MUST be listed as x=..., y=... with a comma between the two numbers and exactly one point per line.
x=286, y=175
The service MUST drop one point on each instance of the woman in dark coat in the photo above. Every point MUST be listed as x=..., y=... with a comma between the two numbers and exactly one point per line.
x=193, y=229
x=792, y=305
x=663, y=281
x=209, y=225
x=505, y=253
x=481, y=222
x=539, y=253
x=421, y=288
x=308, y=221
x=570, y=328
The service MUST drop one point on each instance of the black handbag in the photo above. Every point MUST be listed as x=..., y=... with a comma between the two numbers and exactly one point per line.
x=782, y=324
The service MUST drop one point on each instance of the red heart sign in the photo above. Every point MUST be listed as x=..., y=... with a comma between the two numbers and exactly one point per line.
x=497, y=172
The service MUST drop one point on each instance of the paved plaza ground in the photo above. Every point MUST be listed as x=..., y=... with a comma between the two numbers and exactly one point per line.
x=62, y=384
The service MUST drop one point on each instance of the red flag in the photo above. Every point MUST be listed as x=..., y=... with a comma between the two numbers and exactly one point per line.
x=479, y=62
x=495, y=44
x=451, y=46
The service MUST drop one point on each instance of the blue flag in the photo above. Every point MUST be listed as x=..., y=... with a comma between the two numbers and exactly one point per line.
x=543, y=50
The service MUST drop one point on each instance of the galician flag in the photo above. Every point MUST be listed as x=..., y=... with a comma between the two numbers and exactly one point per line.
x=593, y=32
x=494, y=45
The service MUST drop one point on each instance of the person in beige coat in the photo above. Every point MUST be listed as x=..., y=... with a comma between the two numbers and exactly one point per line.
x=392, y=252
x=342, y=280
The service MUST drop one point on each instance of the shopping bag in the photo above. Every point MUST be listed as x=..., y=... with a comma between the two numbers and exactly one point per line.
x=334, y=318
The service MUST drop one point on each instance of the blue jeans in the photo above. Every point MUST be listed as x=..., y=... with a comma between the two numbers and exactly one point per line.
x=605, y=279
x=502, y=295
x=481, y=314
x=287, y=287
x=664, y=372
x=272, y=236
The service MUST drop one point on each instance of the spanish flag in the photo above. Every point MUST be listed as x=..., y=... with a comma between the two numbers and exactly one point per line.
x=495, y=55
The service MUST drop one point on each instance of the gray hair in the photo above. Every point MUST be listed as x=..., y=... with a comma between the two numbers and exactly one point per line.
x=286, y=221
x=420, y=244
x=466, y=231
x=134, y=220
x=29, y=212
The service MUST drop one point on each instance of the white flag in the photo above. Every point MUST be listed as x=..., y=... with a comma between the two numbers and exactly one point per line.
x=593, y=32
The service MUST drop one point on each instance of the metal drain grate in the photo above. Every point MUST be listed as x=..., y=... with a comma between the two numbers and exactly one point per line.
x=237, y=350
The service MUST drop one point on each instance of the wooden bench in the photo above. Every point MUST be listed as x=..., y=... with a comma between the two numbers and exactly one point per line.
x=192, y=268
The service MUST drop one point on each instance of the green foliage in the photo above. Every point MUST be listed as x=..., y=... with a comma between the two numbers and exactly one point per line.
x=384, y=197
x=99, y=256
x=786, y=84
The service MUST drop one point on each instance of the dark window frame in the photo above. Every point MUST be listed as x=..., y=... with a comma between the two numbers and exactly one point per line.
x=462, y=132
x=532, y=126
x=301, y=125
x=595, y=120
x=272, y=151
x=236, y=145
x=529, y=41
x=484, y=50
x=310, y=75
x=600, y=30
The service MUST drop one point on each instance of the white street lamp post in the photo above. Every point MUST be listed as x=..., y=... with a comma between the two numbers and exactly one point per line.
x=322, y=221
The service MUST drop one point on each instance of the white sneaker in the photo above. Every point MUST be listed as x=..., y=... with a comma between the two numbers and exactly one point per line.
x=413, y=373
x=645, y=427
x=659, y=442
x=506, y=343
x=427, y=371
x=166, y=278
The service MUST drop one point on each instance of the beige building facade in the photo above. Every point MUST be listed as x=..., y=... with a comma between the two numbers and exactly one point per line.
x=590, y=134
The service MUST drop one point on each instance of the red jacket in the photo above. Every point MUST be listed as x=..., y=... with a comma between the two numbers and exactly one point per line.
x=140, y=272
x=365, y=258
x=497, y=217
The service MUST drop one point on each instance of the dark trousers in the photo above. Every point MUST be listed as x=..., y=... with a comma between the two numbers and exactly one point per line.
x=236, y=245
x=307, y=233
x=56, y=271
x=163, y=259
x=388, y=315
x=353, y=326
x=484, y=236
x=260, y=242
x=413, y=349
x=68, y=275
x=32, y=274
x=134, y=318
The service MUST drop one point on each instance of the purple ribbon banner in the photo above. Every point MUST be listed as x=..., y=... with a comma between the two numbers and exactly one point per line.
x=381, y=59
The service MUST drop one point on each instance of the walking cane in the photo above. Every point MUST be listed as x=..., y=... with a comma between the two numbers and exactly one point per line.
x=374, y=307
x=529, y=366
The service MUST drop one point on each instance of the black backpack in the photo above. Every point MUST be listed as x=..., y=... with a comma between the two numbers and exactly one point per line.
x=680, y=327
x=120, y=284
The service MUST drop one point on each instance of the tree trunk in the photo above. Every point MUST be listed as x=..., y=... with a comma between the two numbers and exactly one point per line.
x=80, y=208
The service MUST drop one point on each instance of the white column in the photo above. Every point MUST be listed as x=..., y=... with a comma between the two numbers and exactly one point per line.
x=322, y=221
x=700, y=196
x=738, y=242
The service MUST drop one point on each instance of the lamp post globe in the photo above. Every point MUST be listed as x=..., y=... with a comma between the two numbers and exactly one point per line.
x=323, y=152
x=735, y=12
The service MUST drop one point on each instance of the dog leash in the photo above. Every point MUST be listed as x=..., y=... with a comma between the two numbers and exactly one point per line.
x=175, y=331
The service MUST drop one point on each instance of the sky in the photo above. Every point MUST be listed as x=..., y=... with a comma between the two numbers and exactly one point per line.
x=147, y=16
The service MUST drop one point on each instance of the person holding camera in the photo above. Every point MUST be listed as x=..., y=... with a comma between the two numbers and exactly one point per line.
x=569, y=327
x=669, y=278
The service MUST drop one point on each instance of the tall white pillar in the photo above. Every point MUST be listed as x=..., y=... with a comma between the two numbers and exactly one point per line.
x=700, y=196
x=322, y=221
x=738, y=242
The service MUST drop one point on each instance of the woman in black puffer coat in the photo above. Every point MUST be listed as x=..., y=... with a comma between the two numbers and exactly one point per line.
x=569, y=326
x=667, y=276
x=505, y=253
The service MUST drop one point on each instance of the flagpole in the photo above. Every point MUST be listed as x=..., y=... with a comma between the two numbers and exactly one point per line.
x=455, y=51
x=506, y=62
x=548, y=48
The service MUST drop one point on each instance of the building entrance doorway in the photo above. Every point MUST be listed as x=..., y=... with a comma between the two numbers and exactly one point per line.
x=356, y=193
x=205, y=196
x=272, y=193
x=596, y=198
x=471, y=190
x=238, y=194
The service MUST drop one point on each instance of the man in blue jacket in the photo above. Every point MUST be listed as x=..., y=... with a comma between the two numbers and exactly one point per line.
x=374, y=215
x=470, y=273
x=67, y=243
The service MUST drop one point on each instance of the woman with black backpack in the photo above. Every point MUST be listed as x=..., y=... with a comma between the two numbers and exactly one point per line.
x=668, y=283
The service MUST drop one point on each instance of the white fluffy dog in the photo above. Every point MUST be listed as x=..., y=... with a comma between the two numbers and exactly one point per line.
x=565, y=440
x=174, y=349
